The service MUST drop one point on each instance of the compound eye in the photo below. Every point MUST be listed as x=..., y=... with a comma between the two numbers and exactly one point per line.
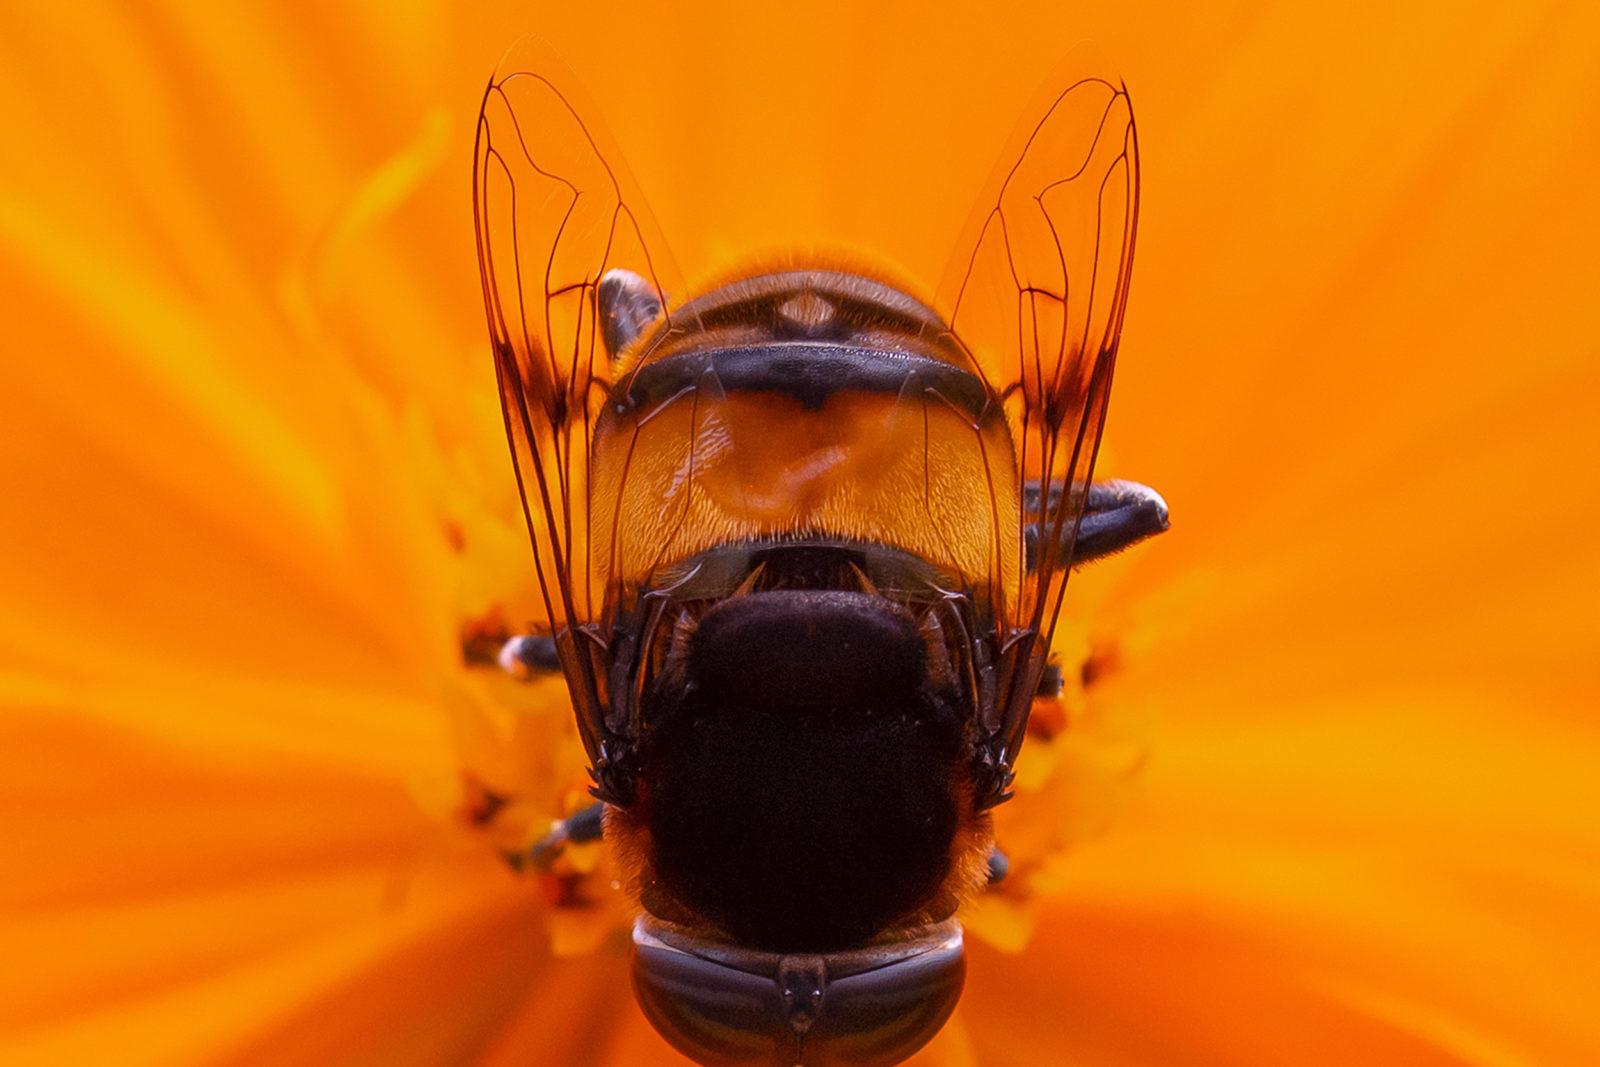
x=713, y=1014
x=884, y=1015
x=722, y=1005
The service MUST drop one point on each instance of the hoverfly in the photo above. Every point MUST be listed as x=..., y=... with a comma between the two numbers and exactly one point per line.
x=802, y=541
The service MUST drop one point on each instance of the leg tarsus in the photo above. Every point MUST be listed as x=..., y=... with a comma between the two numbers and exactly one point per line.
x=577, y=828
x=999, y=866
x=529, y=655
x=1116, y=515
x=1051, y=681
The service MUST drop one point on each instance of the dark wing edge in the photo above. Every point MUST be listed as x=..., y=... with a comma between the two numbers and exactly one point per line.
x=1037, y=293
x=554, y=210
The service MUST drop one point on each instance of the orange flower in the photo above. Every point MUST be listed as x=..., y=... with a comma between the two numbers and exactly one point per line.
x=257, y=493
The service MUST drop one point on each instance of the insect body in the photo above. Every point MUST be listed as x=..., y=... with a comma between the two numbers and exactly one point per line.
x=802, y=540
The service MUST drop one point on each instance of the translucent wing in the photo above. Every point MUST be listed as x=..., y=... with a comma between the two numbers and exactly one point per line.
x=1036, y=293
x=554, y=211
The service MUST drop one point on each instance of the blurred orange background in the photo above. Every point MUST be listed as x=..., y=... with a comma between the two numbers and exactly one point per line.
x=244, y=389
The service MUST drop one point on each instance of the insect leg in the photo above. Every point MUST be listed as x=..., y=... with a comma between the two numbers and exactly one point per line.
x=999, y=866
x=1116, y=515
x=584, y=825
x=626, y=304
x=529, y=655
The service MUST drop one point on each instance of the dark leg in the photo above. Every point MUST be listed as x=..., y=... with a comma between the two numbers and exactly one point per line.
x=626, y=305
x=1116, y=515
x=584, y=825
x=529, y=655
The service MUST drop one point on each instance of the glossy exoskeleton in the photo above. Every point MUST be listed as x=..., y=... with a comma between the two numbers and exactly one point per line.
x=802, y=540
